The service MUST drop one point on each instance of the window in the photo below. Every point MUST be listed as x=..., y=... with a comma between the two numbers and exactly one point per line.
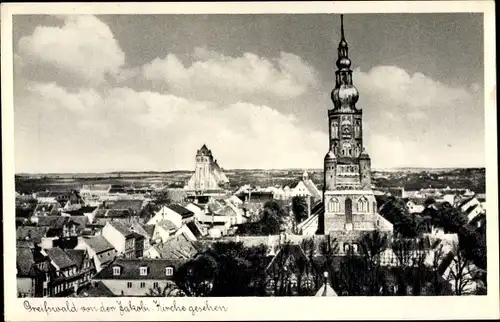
x=346, y=247
x=116, y=270
x=155, y=284
x=355, y=247
x=169, y=271
x=362, y=204
x=333, y=205
x=129, y=284
x=143, y=271
x=143, y=284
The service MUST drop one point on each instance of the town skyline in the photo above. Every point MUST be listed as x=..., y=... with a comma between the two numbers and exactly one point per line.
x=257, y=96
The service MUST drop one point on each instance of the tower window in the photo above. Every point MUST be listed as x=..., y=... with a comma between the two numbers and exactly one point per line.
x=362, y=204
x=333, y=205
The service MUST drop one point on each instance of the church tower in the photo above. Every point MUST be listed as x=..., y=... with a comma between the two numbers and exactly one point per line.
x=348, y=199
x=208, y=175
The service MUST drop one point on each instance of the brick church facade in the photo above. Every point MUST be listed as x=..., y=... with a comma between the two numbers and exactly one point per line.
x=208, y=175
x=349, y=202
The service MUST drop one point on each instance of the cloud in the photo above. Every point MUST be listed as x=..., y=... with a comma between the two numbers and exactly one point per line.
x=414, y=119
x=83, y=47
x=164, y=129
x=212, y=74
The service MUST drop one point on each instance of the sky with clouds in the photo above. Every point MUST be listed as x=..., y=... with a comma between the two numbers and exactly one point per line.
x=130, y=92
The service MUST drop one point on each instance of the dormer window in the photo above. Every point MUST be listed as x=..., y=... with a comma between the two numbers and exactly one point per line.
x=169, y=271
x=143, y=271
x=116, y=270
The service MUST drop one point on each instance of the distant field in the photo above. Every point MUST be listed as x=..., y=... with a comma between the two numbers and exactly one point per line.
x=409, y=178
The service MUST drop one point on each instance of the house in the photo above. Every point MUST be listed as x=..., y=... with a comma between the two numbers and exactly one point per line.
x=134, y=277
x=95, y=289
x=61, y=273
x=175, y=213
x=94, y=191
x=163, y=230
x=45, y=197
x=307, y=188
x=235, y=201
x=197, y=209
x=139, y=245
x=195, y=229
x=472, y=208
x=176, y=247
x=147, y=231
x=310, y=225
x=25, y=259
x=46, y=209
x=133, y=206
x=462, y=275
x=73, y=201
x=119, y=235
x=414, y=206
x=31, y=234
x=100, y=250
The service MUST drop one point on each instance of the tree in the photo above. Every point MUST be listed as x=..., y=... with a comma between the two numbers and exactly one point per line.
x=169, y=290
x=225, y=269
x=195, y=278
x=395, y=211
x=372, y=244
x=461, y=273
x=271, y=223
x=353, y=275
x=299, y=208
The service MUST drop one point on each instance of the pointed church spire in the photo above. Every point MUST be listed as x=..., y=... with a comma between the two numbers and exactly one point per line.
x=344, y=94
x=342, y=36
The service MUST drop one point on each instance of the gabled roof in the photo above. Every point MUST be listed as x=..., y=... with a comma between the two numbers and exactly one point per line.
x=140, y=229
x=185, y=213
x=46, y=207
x=167, y=225
x=60, y=258
x=129, y=204
x=178, y=247
x=149, y=229
x=82, y=221
x=47, y=221
x=121, y=228
x=311, y=187
x=130, y=269
x=78, y=256
x=326, y=290
x=99, y=244
x=195, y=229
x=288, y=254
x=96, y=187
x=32, y=233
x=24, y=261
x=96, y=289
x=80, y=211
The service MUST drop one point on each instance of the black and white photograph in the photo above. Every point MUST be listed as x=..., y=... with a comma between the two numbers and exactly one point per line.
x=329, y=154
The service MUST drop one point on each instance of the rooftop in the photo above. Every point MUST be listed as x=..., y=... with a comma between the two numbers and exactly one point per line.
x=98, y=243
x=185, y=213
x=60, y=258
x=130, y=269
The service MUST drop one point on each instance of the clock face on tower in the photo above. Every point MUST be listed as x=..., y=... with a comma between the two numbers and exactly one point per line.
x=346, y=131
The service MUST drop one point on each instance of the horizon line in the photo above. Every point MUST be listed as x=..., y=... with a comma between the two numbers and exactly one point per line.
x=234, y=169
